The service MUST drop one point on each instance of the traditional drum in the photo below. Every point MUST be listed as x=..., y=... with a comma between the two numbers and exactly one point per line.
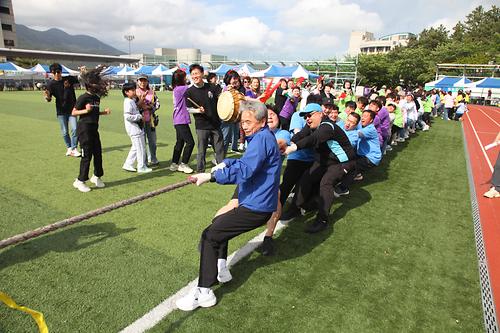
x=228, y=106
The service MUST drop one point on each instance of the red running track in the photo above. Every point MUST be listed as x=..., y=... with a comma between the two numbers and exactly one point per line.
x=481, y=125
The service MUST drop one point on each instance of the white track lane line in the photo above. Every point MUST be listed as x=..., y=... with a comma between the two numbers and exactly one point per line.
x=493, y=120
x=480, y=143
x=158, y=313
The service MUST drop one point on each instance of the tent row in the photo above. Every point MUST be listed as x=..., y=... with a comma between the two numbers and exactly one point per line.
x=454, y=83
x=161, y=70
x=10, y=67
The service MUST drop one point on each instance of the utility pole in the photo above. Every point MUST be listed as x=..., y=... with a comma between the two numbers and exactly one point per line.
x=129, y=38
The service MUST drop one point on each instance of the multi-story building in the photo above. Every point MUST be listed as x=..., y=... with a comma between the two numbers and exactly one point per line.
x=364, y=42
x=8, y=32
x=174, y=56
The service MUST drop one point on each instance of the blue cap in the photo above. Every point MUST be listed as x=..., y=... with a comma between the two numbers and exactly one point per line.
x=312, y=107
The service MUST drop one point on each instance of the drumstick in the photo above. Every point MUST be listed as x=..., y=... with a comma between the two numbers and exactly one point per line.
x=195, y=104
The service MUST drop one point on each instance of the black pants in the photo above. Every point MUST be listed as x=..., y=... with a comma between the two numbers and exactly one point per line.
x=90, y=145
x=183, y=136
x=291, y=176
x=214, y=239
x=284, y=123
x=218, y=144
x=361, y=164
x=327, y=177
x=427, y=117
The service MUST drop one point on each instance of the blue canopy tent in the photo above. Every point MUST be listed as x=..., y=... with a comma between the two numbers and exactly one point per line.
x=11, y=67
x=222, y=69
x=448, y=83
x=489, y=82
x=112, y=70
x=276, y=71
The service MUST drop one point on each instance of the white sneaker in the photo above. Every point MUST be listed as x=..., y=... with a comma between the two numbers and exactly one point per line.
x=81, y=186
x=144, y=170
x=214, y=162
x=196, y=298
x=129, y=168
x=75, y=153
x=97, y=181
x=241, y=147
x=426, y=128
x=69, y=151
x=224, y=275
x=184, y=168
x=173, y=167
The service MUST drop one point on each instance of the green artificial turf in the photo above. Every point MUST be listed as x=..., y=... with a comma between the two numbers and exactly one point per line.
x=400, y=257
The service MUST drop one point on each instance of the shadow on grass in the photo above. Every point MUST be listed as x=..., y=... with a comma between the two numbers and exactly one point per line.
x=127, y=147
x=290, y=244
x=68, y=240
x=293, y=242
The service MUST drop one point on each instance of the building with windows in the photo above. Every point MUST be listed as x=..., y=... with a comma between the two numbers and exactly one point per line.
x=173, y=56
x=8, y=32
x=364, y=42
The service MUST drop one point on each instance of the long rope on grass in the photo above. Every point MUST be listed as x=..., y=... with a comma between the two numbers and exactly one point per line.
x=79, y=218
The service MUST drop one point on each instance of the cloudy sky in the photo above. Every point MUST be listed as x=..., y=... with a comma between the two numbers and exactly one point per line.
x=249, y=29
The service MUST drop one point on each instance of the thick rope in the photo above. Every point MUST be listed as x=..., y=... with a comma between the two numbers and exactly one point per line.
x=79, y=218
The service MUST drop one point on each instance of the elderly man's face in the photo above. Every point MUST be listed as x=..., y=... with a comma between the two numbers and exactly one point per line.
x=250, y=124
x=313, y=119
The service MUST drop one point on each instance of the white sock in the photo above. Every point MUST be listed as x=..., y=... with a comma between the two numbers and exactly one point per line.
x=204, y=290
x=221, y=264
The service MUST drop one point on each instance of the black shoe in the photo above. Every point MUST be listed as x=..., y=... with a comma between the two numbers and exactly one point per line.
x=267, y=248
x=316, y=226
x=340, y=191
x=290, y=214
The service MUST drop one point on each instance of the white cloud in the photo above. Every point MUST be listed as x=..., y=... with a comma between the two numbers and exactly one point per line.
x=245, y=32
x=330, y=15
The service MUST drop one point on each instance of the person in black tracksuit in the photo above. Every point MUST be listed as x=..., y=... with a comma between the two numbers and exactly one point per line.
x=87, y=106
x=201, y=100
x=334, y=157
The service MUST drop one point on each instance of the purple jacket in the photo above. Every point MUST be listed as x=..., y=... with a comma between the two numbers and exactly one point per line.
x=385, y=122
x=181, y=114
x=378, y=127
x=289, y=108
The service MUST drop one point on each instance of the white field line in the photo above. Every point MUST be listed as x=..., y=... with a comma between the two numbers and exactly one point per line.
x=480, y=143
x=158, y=313
x=493, y=120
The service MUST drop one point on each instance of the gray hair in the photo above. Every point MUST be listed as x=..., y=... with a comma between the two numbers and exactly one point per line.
x=258, y=109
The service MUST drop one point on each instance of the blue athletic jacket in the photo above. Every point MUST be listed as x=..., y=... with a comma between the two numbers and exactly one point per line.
x=257, y=172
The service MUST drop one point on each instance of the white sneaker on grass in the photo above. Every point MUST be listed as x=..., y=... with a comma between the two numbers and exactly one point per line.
x=196, y=298
x=129, y=168
x=183, y=167
x=68, y=151
x=97, y=181
x=173, y=167
x=81, y=186
x=75, y=153
x=224, y=275
x=144, y=170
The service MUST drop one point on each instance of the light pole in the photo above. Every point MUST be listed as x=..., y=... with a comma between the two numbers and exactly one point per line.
x=129, y=38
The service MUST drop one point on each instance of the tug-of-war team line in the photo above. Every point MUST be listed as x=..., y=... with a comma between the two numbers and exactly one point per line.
x=329, y=139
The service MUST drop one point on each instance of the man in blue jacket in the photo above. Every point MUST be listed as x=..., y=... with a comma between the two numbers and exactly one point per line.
x=257, y=174
x=369, y=153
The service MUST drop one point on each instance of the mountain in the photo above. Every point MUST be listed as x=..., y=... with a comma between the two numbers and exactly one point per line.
x=58, y=40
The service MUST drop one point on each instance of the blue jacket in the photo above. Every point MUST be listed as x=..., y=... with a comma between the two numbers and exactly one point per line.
x=257, y=172
x=368, y=144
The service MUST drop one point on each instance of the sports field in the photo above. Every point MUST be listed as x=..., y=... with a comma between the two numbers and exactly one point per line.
x=400, y=258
